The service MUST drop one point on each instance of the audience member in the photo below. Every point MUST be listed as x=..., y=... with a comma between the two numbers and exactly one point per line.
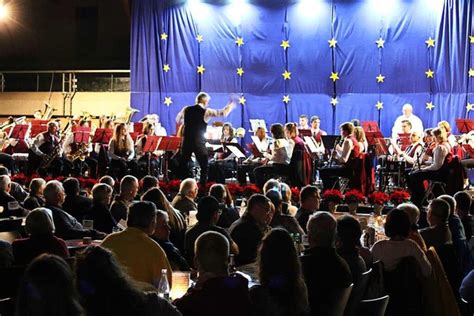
x=147, y=183
x=309, y=203
x=287, y=222
x=106, y=289
x=128, y=191
x=35, y=198
x=229, y=213
x=75, y=204
x=348, y=240
x=16, y=189
x=438, y=234
x=288, y=207
x=184, y=200
x=162, y=237
x=142, y=257
x=467, y=288
x=325, y=272
x=40, y=228
x=108, y=180
x=463, y=206
x=216, y=292
x=66, y=226
x=47, y=288
x=6, y=254
x=414, y=216
x=271, y=184
x=11, y=207
x=249, y=230
x=99, y=211
x=393, y=250
x=282, y=290
x=207, y=216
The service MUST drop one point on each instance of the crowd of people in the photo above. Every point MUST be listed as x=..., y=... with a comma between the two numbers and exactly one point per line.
x=142, y=235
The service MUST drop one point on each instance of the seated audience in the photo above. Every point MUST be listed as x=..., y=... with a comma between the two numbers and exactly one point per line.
x=414, y=215
x=11, y=207
x=147, y=183
x=106, y=289
x=393, y=250
x=67, y=227
x=40, y=228
x=162, y=237
x=184, y=200
x=348, y=240
x=207, y=216
x=288, y=207
x=6, y=254
x=140, y=255
x=216, y=292
x=35, y=198
x=176, y=219
x=75, y=204
x=463, y=206
x=99, y=211
x=249, y=230
x=229, y=213
x=325, y=272
x=271, y=184
x=108, y=180
x=282, y=290
x=309, y=204
x=47, y=288
x=128, y=191
x=287, y=222
x=16, y=189
x=438, y=234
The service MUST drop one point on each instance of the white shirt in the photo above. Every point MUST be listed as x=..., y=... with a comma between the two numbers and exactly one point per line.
x=407, y=154
x=344, y=152
x=416, y=125
x=210, y=113
x=280, y=152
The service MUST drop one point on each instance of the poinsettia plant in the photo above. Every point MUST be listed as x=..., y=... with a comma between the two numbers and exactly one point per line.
x=378, y=198
x=399, y=196
x=333, y=195
x=354, y=196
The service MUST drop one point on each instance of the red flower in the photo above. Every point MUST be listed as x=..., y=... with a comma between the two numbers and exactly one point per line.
x=378, y=197
x=234, y=189
x=354, y=196
x=250, y=190
x=295, y=193
x=399, y=196
x=173, y=185
x=333, y=196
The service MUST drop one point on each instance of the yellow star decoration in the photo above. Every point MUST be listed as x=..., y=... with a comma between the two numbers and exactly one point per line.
x=332, y=43
x=200, y=69
x=334, y=101
x=471, y=72
x=334, y=76
x=285, y=44
x=380, y=78
x=166, y=67
x=286, y=98
x=239, y=41
x=242, y=100
x=199, y=38
x=164, y=36
x=286, y=75
x=429, y=73
x=379, y=105
x=430, y=42
x=240, y=71
x=380, y=43
x=470, y=106
x=168, y=101
x=429, y=105
x=471, y=39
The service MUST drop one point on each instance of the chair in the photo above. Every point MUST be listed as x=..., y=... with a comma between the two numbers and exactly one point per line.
x=340, y=301
x=374, y=307
x=432, y=187
x=357, y=293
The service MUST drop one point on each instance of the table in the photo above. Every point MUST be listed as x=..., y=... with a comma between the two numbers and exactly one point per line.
x=74, y=245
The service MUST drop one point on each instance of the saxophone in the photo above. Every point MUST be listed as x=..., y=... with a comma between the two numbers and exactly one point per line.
x=46, y=162
x=80, y=154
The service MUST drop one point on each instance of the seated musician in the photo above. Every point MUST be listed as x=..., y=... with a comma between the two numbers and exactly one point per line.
x=100, y=152
x=46, y=151
x=148, y=129
x=252, y=162
x=154, y=119
x=224, y=162
x=430, y=144
x=304, y=122
x=277, y=163
x=316, y=131
x=344, y=157
x=413, y=152
x=122, y=152
x=451, y=138
x=406, y=129
x=435, y=171
x=79, y=153
x=297, y=149
x=359, y=134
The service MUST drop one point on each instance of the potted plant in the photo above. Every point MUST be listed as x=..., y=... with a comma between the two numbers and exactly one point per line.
x=378, y=199
x=332, y=198
x=353, y=198
x=399, y=196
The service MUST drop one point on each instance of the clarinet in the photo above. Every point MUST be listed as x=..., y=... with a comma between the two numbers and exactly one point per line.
x=336, y=142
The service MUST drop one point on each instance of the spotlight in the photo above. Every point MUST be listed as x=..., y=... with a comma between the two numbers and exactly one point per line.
x=4, y=12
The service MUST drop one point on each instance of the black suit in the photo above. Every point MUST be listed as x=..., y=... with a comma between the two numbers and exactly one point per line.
x=67, y=227
x=11, y=207
x=77, y=206
x=103, y=219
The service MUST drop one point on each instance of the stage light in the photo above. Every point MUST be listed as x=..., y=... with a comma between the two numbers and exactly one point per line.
x=383, y=7
x=4, y=11
x=236, y=10
x=309, y=8
x=194, y=4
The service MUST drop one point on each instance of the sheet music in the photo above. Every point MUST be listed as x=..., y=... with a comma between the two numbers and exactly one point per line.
x=255, y=124
x=260, y=146
x=214, y=147
x=236, y=151
x=311, y=144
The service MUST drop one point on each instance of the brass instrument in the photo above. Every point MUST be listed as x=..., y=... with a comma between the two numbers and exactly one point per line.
x=127, y=118
x=80, y=154
x=11, y=122
x=47, y=160
x=48, y=111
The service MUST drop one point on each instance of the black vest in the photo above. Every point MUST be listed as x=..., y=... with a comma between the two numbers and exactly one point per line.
x=194, y=125
x=49, y=143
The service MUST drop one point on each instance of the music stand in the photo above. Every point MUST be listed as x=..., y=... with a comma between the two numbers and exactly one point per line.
x=150, y=147
x=38, y=129
x=19, y=131
x=39, y=122
x=329, y=141
x=404, y=140
x=168, y=144
x=81, y=135
x=465, y=125
x=236, y=149
x=304, y=132
x=138, y=127
x=370, y=126
x=102, y=136
x=255, y=152
x=134, y=136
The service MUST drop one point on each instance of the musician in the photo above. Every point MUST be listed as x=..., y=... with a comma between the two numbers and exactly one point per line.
x=252, y=162
x=154, y=119
x=121, y=151
x=430, y=144
x=297, y=149
x=194, y=119
x=415, y=121
x=413, y=152
x=277, y=163
x=224, y=162
x=435, y=171
x=72, y=152
x=44, y=147
x=316, y=131
x=359, y=134
x=451, y=138
x=304, y=122
x=101, y=151
x=153, y=161
x=344, y=157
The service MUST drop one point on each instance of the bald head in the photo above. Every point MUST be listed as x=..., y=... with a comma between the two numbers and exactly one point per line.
x=322, y=230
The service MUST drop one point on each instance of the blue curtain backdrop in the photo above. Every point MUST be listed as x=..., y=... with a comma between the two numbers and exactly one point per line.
x=168, y=34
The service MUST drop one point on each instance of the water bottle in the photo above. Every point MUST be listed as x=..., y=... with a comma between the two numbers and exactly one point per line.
x=232, y=268
x=163, y=285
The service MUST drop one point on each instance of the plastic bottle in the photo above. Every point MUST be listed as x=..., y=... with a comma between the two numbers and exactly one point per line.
x=164, y=285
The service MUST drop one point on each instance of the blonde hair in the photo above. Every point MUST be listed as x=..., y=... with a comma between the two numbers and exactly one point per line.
x=359, y=134
x=445, y=125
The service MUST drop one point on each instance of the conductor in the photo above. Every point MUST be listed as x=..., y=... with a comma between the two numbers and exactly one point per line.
x=194, y=119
